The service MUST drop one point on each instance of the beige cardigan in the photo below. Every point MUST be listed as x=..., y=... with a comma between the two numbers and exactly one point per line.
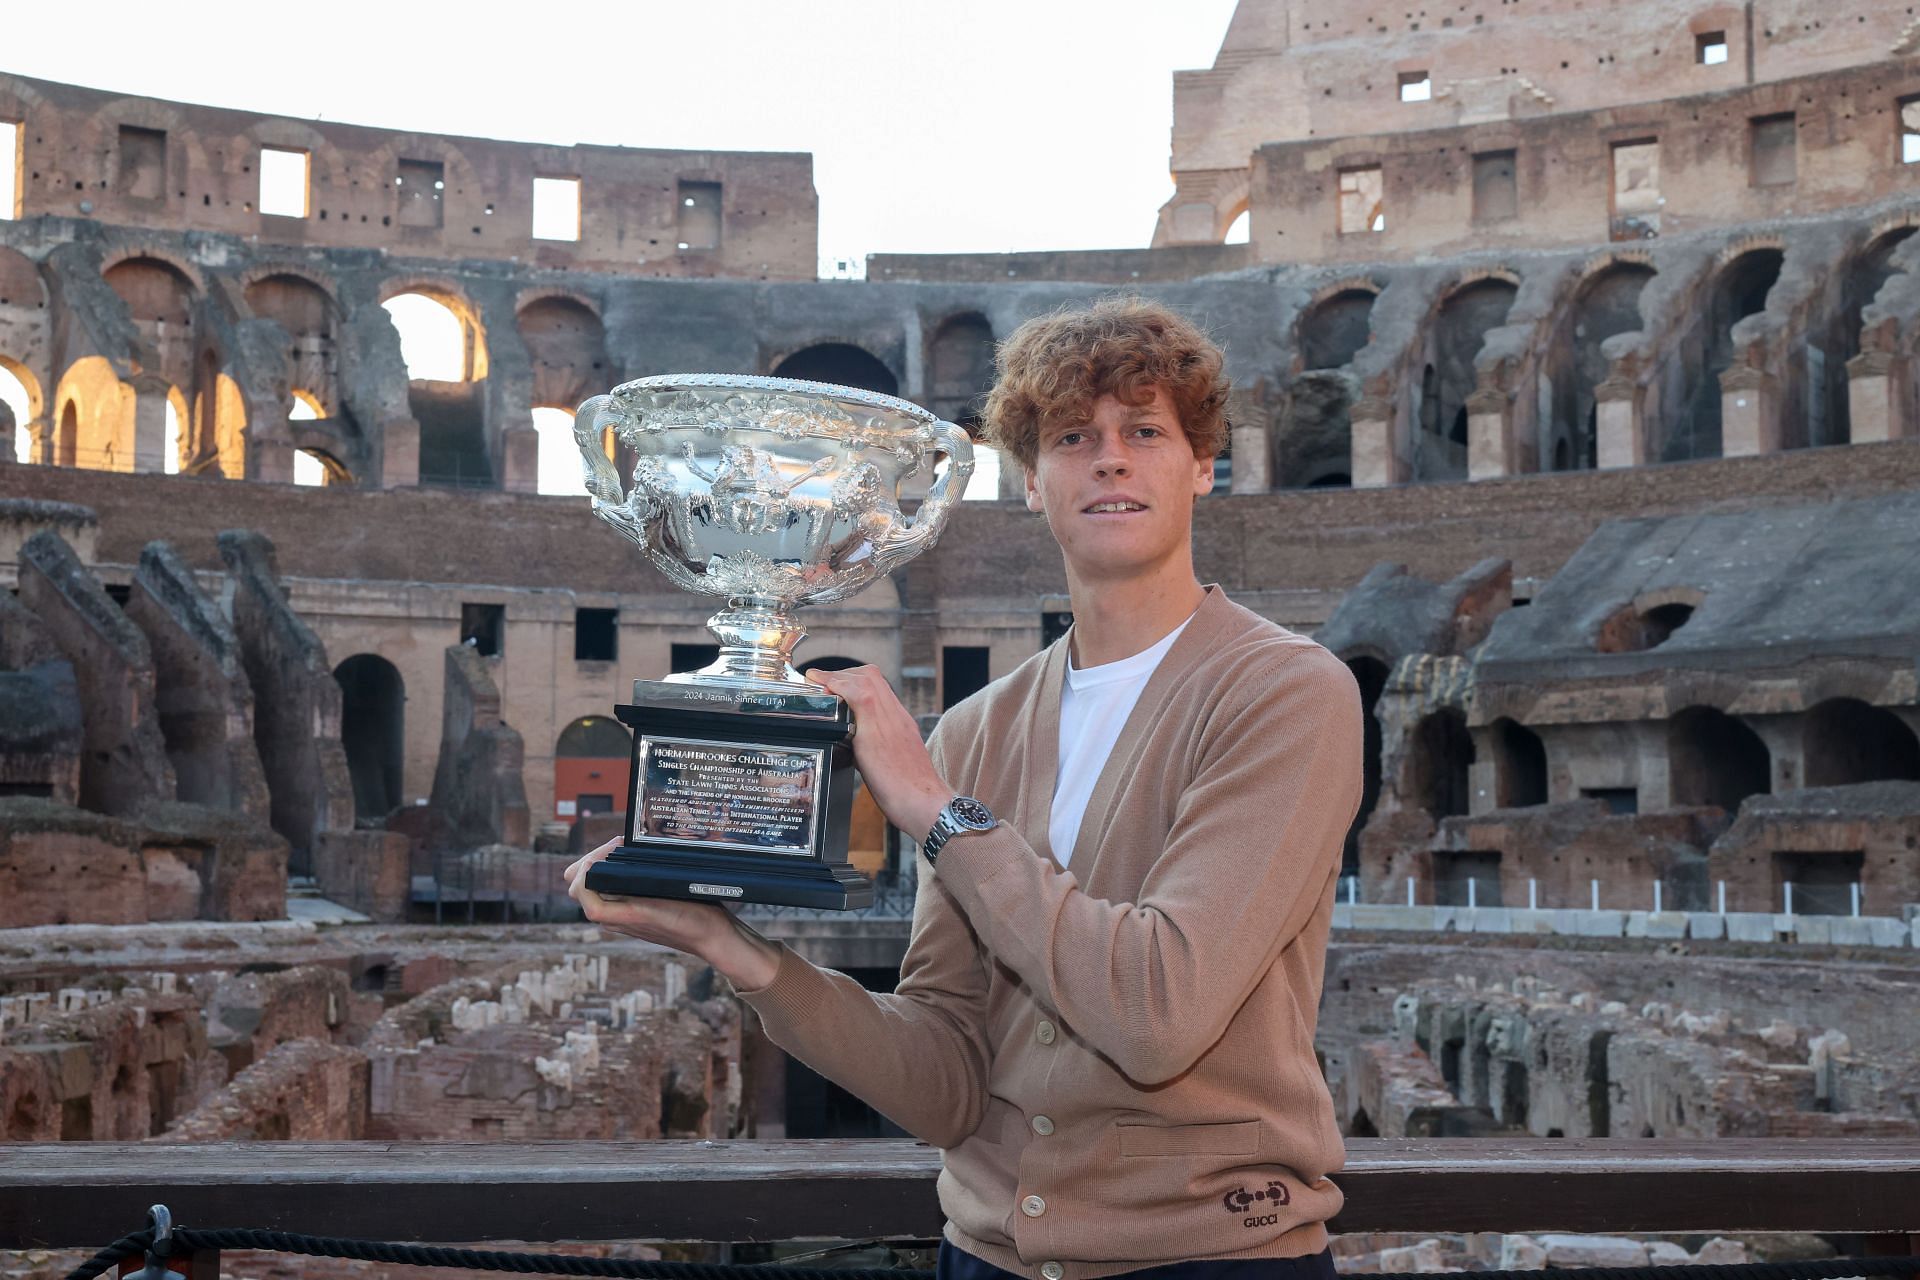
x=1118, y=1059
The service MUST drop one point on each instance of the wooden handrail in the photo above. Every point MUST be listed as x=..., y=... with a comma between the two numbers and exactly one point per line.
x=74, y=1194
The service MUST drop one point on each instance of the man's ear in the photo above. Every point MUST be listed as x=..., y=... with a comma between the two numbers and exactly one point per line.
x=1202, y=477
x=1033, y=494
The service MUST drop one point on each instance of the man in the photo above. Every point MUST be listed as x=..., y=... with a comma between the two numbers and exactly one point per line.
x=1105, y=1016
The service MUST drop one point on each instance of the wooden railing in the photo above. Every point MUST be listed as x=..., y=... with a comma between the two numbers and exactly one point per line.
x=88, y=1194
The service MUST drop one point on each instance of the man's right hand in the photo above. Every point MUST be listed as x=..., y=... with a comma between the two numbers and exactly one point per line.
x=701, y=929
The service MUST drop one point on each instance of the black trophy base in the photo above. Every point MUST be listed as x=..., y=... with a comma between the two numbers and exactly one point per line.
x=706, y=876
x=696, y=750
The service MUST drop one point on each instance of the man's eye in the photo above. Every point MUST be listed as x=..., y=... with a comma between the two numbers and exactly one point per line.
x=1068, y=437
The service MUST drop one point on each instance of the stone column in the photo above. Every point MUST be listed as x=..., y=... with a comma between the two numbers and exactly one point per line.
x=1622, y=435
x=1876, y=406
x=1013, y=478
x=399, y=453
x=148, y=439
x=269, y=460
x=1491, y=449
x=1749, y=412
x=6, y=435
x=520, y=460
x=1377, y=461
x=1252, y=458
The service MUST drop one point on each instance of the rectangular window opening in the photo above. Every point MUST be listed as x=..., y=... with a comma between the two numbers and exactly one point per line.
x=10, y=135
x=1710, y=48
x=1909, y=130
x=1636, y=189
x=1824, y=884
x=596, y=635
x=1619, y=800
x=699, y=215
x=1416, y=86
x=420, y=186
x=1453, y=871
x=556, y=208
x=142, y=172
x=963, y=672
x=1496, y=191
x=283, y=182
x=1362, y=201
x=483, y=626
x=1771, y=156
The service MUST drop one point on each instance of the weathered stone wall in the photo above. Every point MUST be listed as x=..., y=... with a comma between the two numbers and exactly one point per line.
x=302, y=1091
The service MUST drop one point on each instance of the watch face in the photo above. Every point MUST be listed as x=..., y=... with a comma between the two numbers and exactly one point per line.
x=970, y=813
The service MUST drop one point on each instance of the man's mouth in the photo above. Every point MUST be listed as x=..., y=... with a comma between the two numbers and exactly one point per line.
x=1101, y=508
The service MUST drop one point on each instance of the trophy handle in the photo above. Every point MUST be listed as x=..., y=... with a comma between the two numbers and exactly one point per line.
x=602, y=481
x=931, y=518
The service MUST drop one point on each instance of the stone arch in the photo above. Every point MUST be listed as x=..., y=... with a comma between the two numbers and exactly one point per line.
x=1738, y=289
x=592, y=768
x=309, y=313
x=373, y=720
x=472, y=356
x=1370, y=673
x=1464, y=317
x=1605, y=303
x=1715, y=759
x=1336, y=325
x=843, y=363
x=66, y=435
x=95, y=418
x=379, y=168
x=160, y=297
x=215, y=435
x=960, y=367
x=1439, y=762
x=30, y=407
x=1847, y=741
x=1519, y=765
x=568, y=345
x=1865, y=274
x=1313, y=446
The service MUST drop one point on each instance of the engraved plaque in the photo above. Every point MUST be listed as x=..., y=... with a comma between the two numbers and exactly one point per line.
x=726, y=796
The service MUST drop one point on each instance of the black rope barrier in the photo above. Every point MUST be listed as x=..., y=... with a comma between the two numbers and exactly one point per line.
x=189, y=1240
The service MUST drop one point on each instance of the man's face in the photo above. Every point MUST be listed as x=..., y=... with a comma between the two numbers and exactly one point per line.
x=1118, y=489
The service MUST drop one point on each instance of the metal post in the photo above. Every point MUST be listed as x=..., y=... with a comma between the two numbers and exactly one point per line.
x=1723, y=897
x=1533, y=894
x=1594, y=885
x=1409, y=890
x=1787, y=887
x=1853, y=891
x=1473, y=893
x=1656, y=897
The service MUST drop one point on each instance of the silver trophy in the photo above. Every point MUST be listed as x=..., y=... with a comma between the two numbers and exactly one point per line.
x=770, y=493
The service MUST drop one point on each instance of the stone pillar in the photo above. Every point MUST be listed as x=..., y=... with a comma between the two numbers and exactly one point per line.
x=6, y=434
x=1623, y=436
x=1749, y=412
x=1876, y=406
x=1377, y=461
x=148, y=442
x=1013, y=478
x=520, y=460
x=269, y=460
x=399, y=453
x=1252, y=458
x=1491, y=449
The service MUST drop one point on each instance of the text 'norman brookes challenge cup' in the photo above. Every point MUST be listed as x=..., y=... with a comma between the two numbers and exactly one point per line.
x=772, y=494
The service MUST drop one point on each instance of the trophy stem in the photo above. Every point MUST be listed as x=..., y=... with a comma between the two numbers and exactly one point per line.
x=756, y=636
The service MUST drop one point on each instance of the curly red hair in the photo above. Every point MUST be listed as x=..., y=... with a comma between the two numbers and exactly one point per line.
x=1055, y=366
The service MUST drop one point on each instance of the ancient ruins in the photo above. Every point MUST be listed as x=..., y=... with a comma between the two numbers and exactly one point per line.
x=1575, y=407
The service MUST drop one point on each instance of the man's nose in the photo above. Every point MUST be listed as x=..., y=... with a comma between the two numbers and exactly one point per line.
x=1111, y=460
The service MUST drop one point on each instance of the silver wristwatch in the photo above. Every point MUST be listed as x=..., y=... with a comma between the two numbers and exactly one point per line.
x=962, y=814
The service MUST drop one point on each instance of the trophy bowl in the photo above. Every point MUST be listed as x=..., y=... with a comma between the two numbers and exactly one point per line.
x=770, y=492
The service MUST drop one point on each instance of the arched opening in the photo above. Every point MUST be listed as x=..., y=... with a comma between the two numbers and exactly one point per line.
x=1869, y=272
x=1520, y=765
x=1849, y=741
x=1606, y=304
x=840, y=363
x=1371, y=675
x=310, y=467
x=1439, y=758
x=960, y=363
x=1634, y=629
x=159, y=300
x=1460, y=329
x=1314, y=443
x=1739, y=291
x=66, y=441
x=446, y=357
x=373, y=703
x=592, y=768
x=1332, y=333
x=1240, y=230
x=560, y=466
x=170, y=439
x=309, y=316
x=1714, y=759
x=569, y=349
x=20, y=399
x=440, y=338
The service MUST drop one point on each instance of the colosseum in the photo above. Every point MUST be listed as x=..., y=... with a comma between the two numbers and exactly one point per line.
x=1575, y=406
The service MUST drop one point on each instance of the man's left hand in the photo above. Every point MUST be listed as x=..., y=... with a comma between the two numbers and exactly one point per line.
x=888, y=751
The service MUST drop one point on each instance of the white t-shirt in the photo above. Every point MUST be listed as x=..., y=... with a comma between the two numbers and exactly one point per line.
x=1094, y=706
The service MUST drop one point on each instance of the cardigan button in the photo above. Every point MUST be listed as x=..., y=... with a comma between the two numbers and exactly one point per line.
x=1052, y=1270
x=1044, y=1033
x=1033, y=1206
x=1043, y=1126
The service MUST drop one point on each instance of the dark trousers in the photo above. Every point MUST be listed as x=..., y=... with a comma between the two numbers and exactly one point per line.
x=958, y=1264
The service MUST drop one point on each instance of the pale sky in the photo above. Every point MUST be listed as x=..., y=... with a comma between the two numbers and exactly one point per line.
x=971, y=125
